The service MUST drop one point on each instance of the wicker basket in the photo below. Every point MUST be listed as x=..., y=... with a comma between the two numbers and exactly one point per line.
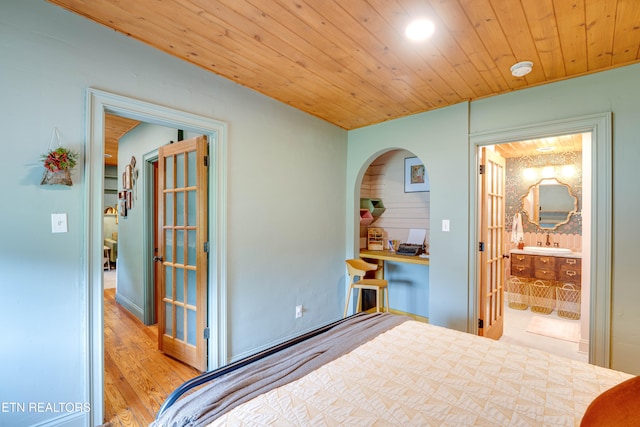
x=568, y=301
x=542, y=297
x=62, y=177
x=517, y=294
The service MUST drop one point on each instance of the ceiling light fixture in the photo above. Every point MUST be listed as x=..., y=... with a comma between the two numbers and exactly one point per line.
x=521, y=68
x=545, y=149
x=420, y=29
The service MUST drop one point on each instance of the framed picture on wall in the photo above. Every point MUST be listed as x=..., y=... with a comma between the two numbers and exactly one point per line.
x=126, y=178
x=415, y=176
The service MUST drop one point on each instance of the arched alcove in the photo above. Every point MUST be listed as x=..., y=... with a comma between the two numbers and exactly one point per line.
x=386, y=179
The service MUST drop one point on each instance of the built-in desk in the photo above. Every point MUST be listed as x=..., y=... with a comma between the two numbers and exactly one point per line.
x=410, y=288
x=382, y=256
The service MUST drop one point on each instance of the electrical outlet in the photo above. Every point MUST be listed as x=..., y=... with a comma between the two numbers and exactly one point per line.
x=445, y=225
x=298, y=311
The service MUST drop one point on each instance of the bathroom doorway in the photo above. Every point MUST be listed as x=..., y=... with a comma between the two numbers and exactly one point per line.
x=595, y=216
x=540, y=308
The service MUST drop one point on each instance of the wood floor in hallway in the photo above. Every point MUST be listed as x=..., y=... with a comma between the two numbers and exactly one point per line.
x=138, y=377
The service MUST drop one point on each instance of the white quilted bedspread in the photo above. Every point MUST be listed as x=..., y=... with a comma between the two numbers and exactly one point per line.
x=424, y=375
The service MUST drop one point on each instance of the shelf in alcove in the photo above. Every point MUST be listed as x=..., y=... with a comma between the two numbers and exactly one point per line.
x=375, y=206
x=365, y=217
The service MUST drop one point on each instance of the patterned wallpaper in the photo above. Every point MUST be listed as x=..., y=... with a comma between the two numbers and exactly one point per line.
x=516, y=185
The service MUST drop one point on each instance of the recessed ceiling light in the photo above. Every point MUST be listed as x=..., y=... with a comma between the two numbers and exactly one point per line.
x=521, y=68
x=419, y=29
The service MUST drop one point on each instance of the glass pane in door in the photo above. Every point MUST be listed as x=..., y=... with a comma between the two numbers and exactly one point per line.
x=179, y=323
x=168, y=175
x=180, y=208
x=191, y=320
x=168, y=282
x=179, y=285
x=191, y=287
x=180, y=171
x=191, y=171
x=168, y=208
x=179, y=246
x=168, y=327
x=191, y=208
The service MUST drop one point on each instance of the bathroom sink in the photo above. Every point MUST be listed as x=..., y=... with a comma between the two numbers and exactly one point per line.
x=549, y=250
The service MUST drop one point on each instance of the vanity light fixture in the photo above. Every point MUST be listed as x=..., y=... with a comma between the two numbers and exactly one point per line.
x=419, y=29
x=529, y=174
x=548, y=172
x=568, y=171
x=521, y=69
x=536, y=173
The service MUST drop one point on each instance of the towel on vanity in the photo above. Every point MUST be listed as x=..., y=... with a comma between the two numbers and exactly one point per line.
x=517, y=232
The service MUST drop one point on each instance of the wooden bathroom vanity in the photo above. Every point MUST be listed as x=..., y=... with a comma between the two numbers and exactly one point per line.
x=546, y=280
x=564, y=267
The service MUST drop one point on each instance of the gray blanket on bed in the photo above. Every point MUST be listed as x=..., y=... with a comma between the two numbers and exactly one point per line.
x=224, y=393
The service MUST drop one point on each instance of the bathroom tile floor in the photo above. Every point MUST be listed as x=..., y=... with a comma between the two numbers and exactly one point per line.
x=515, y=332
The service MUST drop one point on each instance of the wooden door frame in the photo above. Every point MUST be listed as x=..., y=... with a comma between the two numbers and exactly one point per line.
x=149, y=225
x=599, y=126
x=97, y=104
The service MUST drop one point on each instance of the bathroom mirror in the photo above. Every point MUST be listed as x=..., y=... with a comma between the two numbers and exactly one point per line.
x=549, y=203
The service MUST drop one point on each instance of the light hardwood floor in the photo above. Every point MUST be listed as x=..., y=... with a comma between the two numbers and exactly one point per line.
x=138, y=377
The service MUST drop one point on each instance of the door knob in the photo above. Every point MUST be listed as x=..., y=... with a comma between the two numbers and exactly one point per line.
x=157, y=259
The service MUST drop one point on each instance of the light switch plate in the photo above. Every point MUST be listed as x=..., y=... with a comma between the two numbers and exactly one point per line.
x=445, y=225
x=59, y=223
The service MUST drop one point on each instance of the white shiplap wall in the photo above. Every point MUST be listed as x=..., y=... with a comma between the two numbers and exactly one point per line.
x=384, y=179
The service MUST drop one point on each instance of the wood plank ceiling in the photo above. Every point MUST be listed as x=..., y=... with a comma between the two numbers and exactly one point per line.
x=536, y=147
x=115, y=127
x=349, y=63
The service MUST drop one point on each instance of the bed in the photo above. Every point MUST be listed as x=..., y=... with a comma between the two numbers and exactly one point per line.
x=384, y=369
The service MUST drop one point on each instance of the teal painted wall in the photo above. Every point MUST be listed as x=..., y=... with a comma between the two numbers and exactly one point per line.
x=286, y=201
x=440, y=140
x=143, y=139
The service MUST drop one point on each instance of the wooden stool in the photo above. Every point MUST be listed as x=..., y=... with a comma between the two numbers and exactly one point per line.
x=106, y=260
x=358, y=268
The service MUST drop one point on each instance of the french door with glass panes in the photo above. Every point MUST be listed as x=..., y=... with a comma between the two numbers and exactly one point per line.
x=491, y=290
x=182, y=221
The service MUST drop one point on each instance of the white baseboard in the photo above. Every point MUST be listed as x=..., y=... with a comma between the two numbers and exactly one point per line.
x=583, y=346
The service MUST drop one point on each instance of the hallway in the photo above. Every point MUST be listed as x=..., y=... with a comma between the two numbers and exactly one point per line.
x=138, y=377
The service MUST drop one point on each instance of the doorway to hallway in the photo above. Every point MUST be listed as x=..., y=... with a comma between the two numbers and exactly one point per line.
x=98, y=104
